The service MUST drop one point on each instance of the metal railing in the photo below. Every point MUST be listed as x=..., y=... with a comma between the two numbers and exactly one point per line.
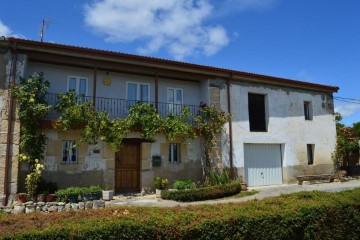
x=119, y=108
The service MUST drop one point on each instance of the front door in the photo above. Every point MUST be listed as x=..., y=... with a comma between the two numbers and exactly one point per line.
x=127, y=165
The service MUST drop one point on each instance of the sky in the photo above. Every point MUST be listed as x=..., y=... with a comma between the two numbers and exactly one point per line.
x=308, y=40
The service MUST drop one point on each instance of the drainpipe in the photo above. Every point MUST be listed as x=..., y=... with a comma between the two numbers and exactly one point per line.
x=10, y=110
x=156, y=92
x=94, y=86
x=230, y=129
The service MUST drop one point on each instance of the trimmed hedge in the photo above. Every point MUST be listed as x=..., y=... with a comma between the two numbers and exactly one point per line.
x=205, y=193
x=304, y=215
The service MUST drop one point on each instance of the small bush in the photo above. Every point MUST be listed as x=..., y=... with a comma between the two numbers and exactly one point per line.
x=216, y=178
x=313, y=215
x=205, y=193
x=183, y=184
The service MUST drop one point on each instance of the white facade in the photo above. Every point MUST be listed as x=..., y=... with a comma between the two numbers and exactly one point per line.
x=286, y=126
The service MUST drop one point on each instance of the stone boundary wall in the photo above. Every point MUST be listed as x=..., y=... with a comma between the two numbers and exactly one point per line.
x=50, y=207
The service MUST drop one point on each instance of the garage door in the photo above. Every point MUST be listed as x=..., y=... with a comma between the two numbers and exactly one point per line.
x=262, y=164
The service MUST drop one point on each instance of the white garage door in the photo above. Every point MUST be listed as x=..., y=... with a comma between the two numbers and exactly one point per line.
x=262, y=164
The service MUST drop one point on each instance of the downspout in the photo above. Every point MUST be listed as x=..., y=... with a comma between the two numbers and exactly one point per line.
x=94, y=85
x=10, y=110
x=230, y=129
x=156, y=92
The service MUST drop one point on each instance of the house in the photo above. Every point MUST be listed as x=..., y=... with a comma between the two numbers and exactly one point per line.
x=280, y=128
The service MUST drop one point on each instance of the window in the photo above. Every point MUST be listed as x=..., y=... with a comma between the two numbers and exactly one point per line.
x=307, y=110
x=257, y=117
x=310, y=153
x=138, y=92
x=78, y=84
x=174, y=153
x=175, y=100
x=69, y=153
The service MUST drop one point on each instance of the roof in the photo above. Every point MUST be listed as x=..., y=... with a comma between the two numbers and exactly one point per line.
x=158, y=63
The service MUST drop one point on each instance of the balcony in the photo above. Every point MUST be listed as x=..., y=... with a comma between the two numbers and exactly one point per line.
x=119, y=108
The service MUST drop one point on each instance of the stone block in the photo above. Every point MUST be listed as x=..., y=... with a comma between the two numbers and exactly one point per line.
x=88, y=205
x=53, y=208
x=110, y=163
x=74, y=206
x=29, y=208
x=214, y=91
x=19, y=209
x=108, y=152
x=81, y=205
x=67, y=207
x=3, y=138
x=98, y=204
x=145, y=150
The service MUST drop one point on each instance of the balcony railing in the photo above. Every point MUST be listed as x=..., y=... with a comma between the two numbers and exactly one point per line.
x=119, y=108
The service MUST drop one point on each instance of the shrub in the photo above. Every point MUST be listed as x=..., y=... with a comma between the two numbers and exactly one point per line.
x=205, y=193
x=160, y=183
x=313, y=215
x=183, y=184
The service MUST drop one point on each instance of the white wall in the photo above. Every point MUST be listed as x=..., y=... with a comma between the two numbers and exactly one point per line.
x=286, y=123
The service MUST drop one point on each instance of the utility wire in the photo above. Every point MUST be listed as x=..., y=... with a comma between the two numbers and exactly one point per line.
x=349, y=100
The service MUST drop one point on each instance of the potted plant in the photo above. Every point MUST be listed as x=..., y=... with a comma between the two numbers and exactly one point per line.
x=107, y=194
x=95, y=192
x=21, y=197
x=85, y=194
x=160, y=184
x=48, y=189
x=243, y=184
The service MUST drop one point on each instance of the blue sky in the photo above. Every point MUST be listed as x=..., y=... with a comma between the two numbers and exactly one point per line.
x=309, y=40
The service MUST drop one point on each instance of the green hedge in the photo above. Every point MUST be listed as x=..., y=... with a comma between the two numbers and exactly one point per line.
x=205, y=193
x=305, y=215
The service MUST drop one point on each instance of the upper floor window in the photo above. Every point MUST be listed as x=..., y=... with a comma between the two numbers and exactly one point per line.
x=138, y=91
x=257, y=116
x=308, y=111
x=175, y=100
x=78, y=84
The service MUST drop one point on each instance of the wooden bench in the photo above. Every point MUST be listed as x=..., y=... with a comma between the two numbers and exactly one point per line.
x=312, y=178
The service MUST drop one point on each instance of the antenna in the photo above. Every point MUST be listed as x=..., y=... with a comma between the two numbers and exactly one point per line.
x=45, y=25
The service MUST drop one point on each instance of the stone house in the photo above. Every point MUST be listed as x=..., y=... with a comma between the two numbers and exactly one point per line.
x=280, y=128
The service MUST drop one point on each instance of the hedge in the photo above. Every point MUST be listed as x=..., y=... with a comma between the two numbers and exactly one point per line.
x=205, y=193
x=304, y=215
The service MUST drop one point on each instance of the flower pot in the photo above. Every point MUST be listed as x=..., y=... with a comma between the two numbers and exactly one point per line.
x=243, y=186
x=50, y=197
x=158, y=193
x=41, y=198
x=107, y=195
x=21, y=197
x=73, y=198
x=95, y=196
x=85, y=197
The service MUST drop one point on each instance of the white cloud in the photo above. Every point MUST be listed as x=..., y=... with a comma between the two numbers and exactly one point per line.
x=347, y=109
x=4, y=30
x=7, y=32
x=178, y=26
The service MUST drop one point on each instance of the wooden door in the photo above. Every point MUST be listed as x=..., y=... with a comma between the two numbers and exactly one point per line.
x=127, y=165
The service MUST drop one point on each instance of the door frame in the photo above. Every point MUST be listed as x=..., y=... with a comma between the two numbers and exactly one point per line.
x=137, y=141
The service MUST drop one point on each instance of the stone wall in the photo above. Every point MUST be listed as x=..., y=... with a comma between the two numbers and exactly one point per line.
x=14, y=149
x=50, y=207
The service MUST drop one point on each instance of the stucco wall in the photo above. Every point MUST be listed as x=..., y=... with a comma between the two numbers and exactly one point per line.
x=99, y=168
x=58, y=82
x=286, y=125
